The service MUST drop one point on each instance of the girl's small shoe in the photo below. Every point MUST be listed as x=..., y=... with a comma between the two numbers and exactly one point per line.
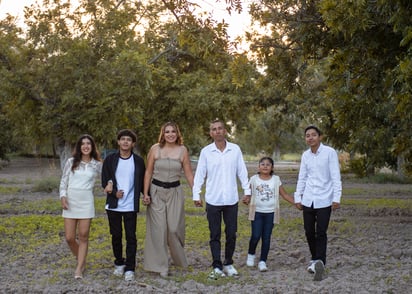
x=250, y=261
x=262, y=266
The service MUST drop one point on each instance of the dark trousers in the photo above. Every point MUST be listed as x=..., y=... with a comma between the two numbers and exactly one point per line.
x=316, y=222
x=262, y=228
x=214, y=217
x=115, y=222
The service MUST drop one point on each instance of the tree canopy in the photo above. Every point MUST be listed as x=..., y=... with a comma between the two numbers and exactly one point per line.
x=343, y=65
x=104, y=65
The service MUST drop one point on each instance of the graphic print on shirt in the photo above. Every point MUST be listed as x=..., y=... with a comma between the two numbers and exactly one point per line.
x=264, y=193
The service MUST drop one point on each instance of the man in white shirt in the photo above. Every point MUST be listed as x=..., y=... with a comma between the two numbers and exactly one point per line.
x=221, y=162
x=318, y=192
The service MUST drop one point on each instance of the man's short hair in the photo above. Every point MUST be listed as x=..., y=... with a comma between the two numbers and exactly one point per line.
x=313, y=127
x=217, y=120
x=127, y=133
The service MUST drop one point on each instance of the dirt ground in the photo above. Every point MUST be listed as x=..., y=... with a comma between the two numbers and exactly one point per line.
x=374, y=254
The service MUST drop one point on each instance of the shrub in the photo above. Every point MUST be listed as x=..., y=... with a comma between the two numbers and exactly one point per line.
x=46, y=185
x=358, y=167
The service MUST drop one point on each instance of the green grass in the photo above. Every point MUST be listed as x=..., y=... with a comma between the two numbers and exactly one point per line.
x=9, y=190
x=291, y=156
x=48, y=185
x=30, y=227
x=384, y=178
x=8, y=181
x=20, y=235
x=380, y=203
x=37, y=227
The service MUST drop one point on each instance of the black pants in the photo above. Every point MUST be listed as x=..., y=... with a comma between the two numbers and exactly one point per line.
x=115, y=223
x=214, y=217
x=316, y=222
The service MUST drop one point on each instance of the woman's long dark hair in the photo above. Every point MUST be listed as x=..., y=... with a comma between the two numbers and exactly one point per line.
x=77, y=154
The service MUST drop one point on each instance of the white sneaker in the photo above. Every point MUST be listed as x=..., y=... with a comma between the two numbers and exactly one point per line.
x=216, y=274
x=250, y=261
x=118, y=270
x=230, y=270
x=262, y=266
x=129, y=276
x=319, y=269
x=311, y=266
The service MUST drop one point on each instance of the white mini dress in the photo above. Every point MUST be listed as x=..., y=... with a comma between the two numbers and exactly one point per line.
x=78, y=187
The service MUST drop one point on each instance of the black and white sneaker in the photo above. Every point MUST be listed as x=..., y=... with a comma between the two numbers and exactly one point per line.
x=311, y=267
x=319, y=270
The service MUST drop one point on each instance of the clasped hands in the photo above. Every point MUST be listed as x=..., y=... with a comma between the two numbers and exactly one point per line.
x=146, y=200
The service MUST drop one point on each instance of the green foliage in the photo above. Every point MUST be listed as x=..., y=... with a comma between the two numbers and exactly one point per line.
x=33, y=232
x=342, y=227
x=90, y=69
x=105, y=65
x=345, y=66
x=380, y=203
x=270, y=132
x=358, y=166
x=9, y=190
x=385, y=178
x=46, y=206
x=48, y=184
x=291, y=156
x=37, y=228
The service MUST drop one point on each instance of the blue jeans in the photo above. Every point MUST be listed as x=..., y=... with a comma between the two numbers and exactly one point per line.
x=214, y=217
x=115, y=223
x=262, y=228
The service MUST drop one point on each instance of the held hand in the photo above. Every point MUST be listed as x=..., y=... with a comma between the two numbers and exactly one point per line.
x=198, y=203
x=298, y=205
x=108, y=188
x=335, y=205
x=246, y=199
x=65, y=204
x=146, y=200
x=119, y=194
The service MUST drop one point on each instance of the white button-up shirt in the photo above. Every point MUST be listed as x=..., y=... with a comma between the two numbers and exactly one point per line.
x=319, y=182
x=222, y=170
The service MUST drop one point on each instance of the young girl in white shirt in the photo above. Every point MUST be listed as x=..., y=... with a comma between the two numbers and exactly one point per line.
x=263, y=210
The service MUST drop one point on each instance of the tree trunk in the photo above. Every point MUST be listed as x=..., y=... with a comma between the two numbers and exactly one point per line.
x=64, y=150
x=276, y=153
x=369, y=169
x=400, y=166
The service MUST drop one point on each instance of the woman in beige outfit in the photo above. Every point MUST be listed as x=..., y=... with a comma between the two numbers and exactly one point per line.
x=165, y=216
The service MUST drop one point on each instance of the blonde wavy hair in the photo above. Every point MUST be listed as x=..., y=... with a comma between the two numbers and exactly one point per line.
x=162, y=140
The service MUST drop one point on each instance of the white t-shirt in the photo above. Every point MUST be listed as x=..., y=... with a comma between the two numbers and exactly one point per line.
x=125, y=182
x=265, y=194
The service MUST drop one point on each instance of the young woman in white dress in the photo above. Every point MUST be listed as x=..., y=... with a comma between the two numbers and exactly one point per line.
x=76, y=195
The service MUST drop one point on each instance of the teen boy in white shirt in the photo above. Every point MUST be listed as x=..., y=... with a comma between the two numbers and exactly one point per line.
x=318, y=192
